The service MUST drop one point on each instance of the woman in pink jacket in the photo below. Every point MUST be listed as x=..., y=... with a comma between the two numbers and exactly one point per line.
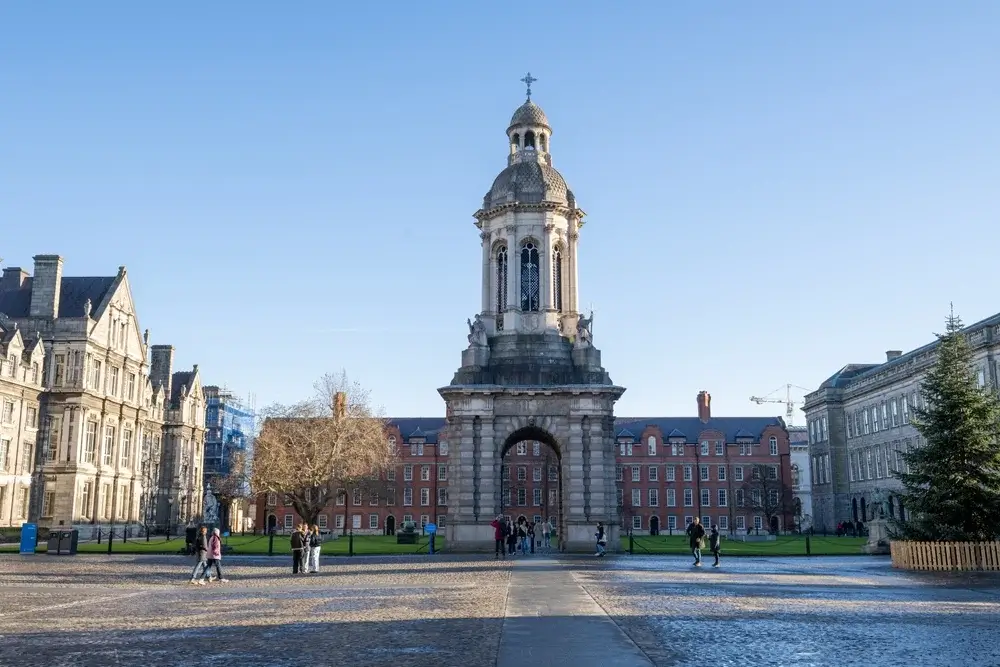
x=215, y=556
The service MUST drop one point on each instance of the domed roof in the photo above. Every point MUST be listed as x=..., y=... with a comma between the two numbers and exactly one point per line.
x=529, y=113
x=528, y=182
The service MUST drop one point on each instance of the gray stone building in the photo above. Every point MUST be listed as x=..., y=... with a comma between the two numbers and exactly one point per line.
x=21, y=359
x=110, y=437
x=859, y=423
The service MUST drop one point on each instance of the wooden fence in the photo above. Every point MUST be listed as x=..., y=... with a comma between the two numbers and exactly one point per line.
x=963, y=556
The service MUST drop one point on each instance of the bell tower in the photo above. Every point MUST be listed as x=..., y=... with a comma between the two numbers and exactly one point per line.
x=531, y=369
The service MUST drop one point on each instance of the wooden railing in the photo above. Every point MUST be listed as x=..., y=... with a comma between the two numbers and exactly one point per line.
x=963, y=556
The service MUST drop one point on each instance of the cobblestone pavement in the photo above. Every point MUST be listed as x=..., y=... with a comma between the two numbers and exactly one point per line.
x=474, y=612
x=797, y=611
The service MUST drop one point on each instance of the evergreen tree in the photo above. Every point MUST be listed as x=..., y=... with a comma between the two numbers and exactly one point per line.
x=952, y=489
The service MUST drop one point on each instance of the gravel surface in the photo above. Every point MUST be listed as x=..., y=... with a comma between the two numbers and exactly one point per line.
x=450, y=610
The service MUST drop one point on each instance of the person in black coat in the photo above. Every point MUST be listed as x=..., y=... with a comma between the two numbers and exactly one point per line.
x=299, y=545
x=696, y=539
x=201, y=553
x=715, y=543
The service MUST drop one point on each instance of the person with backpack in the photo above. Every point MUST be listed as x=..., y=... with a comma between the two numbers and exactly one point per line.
x=696, y=539
x=200, y=571
x=500, y=536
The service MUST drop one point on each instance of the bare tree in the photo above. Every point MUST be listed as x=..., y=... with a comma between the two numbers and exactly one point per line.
x=765, y=492
x=306, y=450
x=233, y=486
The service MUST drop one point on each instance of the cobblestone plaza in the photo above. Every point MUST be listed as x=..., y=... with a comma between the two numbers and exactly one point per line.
x=472, y=612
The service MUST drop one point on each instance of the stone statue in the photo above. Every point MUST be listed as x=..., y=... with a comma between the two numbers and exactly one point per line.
x=880, y=507
x=86, y=308
x=477, y=332
x=584, y=334
x=210, y=513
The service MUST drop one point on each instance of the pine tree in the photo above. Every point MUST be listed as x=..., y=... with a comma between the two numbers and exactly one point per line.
x=952, y=489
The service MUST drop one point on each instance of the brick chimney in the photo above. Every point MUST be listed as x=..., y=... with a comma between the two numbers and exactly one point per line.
x=161, y=366
x=893, y=354
x=13, y=278
x=340, y=405
x=45, y=286
x=704, y=406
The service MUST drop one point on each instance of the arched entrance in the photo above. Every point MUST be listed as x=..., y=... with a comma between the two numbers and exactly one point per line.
x=775, y=525
x=654, y=525
x=530, y=480
x=272, y=523
x=390, y=525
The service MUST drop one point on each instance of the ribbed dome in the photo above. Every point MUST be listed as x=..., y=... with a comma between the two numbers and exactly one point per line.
x=529, y=113
x=528, y=182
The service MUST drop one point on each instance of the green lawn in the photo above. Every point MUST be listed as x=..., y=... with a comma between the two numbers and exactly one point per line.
x=251, y=545
x=784, y=545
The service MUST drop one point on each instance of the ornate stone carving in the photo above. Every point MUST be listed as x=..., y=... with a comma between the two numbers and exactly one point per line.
x=477, y=332
x=531, y=322
x=584, y=335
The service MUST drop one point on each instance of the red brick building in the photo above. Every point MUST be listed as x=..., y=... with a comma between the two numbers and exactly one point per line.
x=731, y=471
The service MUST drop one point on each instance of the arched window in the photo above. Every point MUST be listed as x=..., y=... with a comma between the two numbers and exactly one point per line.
x=773, y=442
x=529, y=277
x=501, y=286
x=516, y=139
x=557, y=300
x=392, y=443
x=529, y=140
x=651, y=445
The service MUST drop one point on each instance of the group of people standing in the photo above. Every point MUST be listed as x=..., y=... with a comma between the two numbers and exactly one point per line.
x=511, y=537
x=208, y=551
x=306, y=545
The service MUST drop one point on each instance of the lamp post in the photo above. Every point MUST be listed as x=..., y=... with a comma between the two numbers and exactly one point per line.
x=170, y=514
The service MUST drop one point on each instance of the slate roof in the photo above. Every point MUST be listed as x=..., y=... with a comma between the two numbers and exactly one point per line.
x=73, y=293
x=688, y=428
x=853, y=372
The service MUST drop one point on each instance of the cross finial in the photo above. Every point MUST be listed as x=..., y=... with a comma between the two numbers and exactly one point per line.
x=528, y=80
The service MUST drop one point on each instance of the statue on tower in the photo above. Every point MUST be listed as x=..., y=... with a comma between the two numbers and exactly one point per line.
x=584, y=333
x=477, y=332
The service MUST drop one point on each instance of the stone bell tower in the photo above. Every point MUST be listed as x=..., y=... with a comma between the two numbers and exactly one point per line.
x=531, y=371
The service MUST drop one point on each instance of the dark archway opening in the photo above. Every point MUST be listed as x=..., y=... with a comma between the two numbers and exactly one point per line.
x=654, y=525
x=390, y=525
x=864, y=510
x=272, y=523
x=854, y=508
x=531, y=484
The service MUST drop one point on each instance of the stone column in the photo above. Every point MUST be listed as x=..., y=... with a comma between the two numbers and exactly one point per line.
x=545, y=268
x=578, y=534
x=487, y=471
x=487, y=282
x=572, y=247
x=513, y=270
x=466, y=470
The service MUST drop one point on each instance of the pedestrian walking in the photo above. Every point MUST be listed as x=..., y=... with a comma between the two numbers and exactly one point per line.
x=602, y=539
x=696, y=539
x=298, y=544
x=547, y=534
x=215, y=557
x=201, y=554
x=499, y=535
x=315, y=546
x=715, y=543
x=531, y=534
x=511, y=537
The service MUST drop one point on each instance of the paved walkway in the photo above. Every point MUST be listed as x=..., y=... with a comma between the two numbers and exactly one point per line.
x=551, y=620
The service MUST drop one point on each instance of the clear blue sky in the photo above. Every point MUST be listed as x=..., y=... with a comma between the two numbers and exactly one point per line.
x=773, y=189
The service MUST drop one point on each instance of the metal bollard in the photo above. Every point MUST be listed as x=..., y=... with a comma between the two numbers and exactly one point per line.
x=808, y=547
x=111, y=535
x=270, y=544
x=631, y=544
x=350, y=543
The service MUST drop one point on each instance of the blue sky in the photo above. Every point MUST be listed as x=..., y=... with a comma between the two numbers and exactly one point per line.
x=773, y=189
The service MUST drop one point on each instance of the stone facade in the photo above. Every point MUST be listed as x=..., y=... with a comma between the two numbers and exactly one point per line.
x=21, y=360
x=106, y=430
x=798, y=440
x=859, y=422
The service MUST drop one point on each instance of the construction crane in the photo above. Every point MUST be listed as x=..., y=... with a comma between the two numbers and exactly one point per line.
x=789, y=403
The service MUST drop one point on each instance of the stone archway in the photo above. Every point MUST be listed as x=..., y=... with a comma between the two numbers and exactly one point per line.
x=550, y=491
x=578, y=422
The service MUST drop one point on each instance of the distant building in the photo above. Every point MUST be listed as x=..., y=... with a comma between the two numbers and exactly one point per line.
x=119, y=436
x=798, y=441
x=859, y=424
x=229, y=428
x=669, y=470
